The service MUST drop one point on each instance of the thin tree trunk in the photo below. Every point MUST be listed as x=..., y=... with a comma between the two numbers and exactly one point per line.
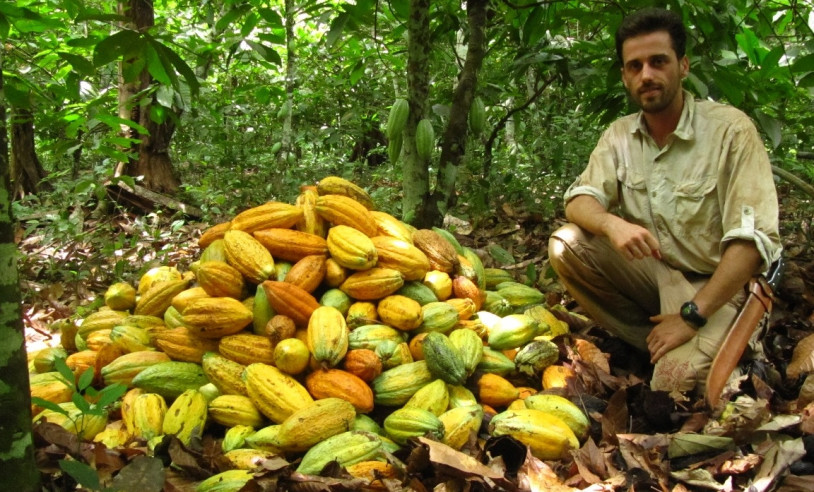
x=290, y=82
x=416, y=173
x=17, y=466
x=153, y=159
x=453, y=144
x=26, y=170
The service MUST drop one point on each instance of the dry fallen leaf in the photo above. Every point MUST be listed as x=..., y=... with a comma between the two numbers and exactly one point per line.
x=591, y=353
x=802, y=359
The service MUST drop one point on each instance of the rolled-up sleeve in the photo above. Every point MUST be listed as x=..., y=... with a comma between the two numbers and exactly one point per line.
x=599, y=179
x=749, y=201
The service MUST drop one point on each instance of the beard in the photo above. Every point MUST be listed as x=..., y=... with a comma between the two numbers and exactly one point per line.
x=661, y=97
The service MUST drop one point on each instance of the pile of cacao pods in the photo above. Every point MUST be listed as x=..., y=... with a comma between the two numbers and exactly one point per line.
x=319, y=331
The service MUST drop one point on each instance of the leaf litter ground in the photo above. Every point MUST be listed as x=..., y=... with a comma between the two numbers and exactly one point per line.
x=763, y=439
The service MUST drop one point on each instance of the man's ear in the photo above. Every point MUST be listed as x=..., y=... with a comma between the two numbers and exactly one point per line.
x=685, y=66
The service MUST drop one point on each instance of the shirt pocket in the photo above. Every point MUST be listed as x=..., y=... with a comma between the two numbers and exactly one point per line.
x=696, y=206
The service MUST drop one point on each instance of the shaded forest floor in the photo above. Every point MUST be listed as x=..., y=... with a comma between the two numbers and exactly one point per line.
x=65, y=277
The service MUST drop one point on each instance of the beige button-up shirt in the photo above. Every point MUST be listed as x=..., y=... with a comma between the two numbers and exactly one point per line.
x=711, y=183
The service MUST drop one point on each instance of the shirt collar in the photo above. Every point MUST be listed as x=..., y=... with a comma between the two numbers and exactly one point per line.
x=684, y=130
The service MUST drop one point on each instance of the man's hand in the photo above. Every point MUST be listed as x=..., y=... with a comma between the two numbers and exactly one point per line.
x=670, y=332
x=630, y=240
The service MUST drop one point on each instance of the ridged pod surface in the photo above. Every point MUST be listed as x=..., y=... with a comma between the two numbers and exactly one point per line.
x=443, y=359
x=183, y=345
x=460, y=423
x=224, y=373
x=234, y=410
x=387, y=225
x=308, y=273
x=290, y=300
x=266, y=216
x=346, y=449
x=315, y=423
x=399, y=312
x=220, y=279
x=213, y=233
x=336, y=383
x=245, y=348
x=248, y=256
x=395, y=386
x=334, y=185
x=372, y=284
x=276, y=394
x=402, y=256
x=290, y=244
x=343, y=210
x=215, y=317
x=547, y=436
x=186, y=416
x=407, y=422
x=327, y=335
x=439, y=251
x=311, y=222
x=351, y=248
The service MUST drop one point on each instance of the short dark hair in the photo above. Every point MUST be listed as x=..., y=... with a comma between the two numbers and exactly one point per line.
x=651, y=20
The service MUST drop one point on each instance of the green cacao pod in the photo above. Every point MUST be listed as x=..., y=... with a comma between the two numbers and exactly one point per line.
x=408, y=422
x=443, y=359
x=395, y=386
x=477, y=116
x=512, y=331
x=424, y=139
x=397, y=119
x=346, y=449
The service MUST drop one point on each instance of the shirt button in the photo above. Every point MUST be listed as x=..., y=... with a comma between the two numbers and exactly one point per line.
x=653, y=194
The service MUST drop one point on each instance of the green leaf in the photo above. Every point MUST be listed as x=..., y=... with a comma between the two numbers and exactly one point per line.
x=180, y=65
x=82, y=473
x=749, y=43
x=249, y=24
x=271, y=17
x=115, y=122
x=111, y=394
x=500, y=255
x=62, y=368
x=267, y=53
x=771, y=127
x=157, y=66
x=117, y=46
x=686, y=444
x=85, y=380
x=80, y=64
x=49, y=405
x=231, y=16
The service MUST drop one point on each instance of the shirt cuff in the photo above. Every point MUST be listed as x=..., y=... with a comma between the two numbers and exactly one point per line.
x=587, y=190
x=768, y=249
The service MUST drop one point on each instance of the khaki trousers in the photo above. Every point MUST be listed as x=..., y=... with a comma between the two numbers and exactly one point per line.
x=621, y=295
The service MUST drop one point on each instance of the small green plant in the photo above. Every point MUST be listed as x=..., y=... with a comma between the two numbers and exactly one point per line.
x=89, y=403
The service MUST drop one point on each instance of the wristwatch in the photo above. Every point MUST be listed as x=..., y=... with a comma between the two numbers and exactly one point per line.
x=690, y=315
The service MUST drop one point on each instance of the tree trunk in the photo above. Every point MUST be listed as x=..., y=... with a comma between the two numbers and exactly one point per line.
x=153, y=161
x=416, y=172
x=290, y=82
x=453, y=143
x=26, y=170
x=16, y=446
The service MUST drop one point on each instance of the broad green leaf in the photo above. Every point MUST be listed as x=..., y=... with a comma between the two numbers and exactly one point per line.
x=80, y=64
x=750, y=44
x=82, y=473
x=180, y=66
x=230, y=17
x=117, y=46
x=157, y=66
x=535, y=26
x=249, y=24
x=111, y=394
x=265, y=52
x=158, y=113
x=337, y=27
x=165, y=96
x=271, y=17
x=48, y=405
x=771, y=127
x=4, y=27
x=115, y=122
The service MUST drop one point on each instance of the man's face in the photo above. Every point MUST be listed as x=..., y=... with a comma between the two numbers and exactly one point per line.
x=651, y=72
